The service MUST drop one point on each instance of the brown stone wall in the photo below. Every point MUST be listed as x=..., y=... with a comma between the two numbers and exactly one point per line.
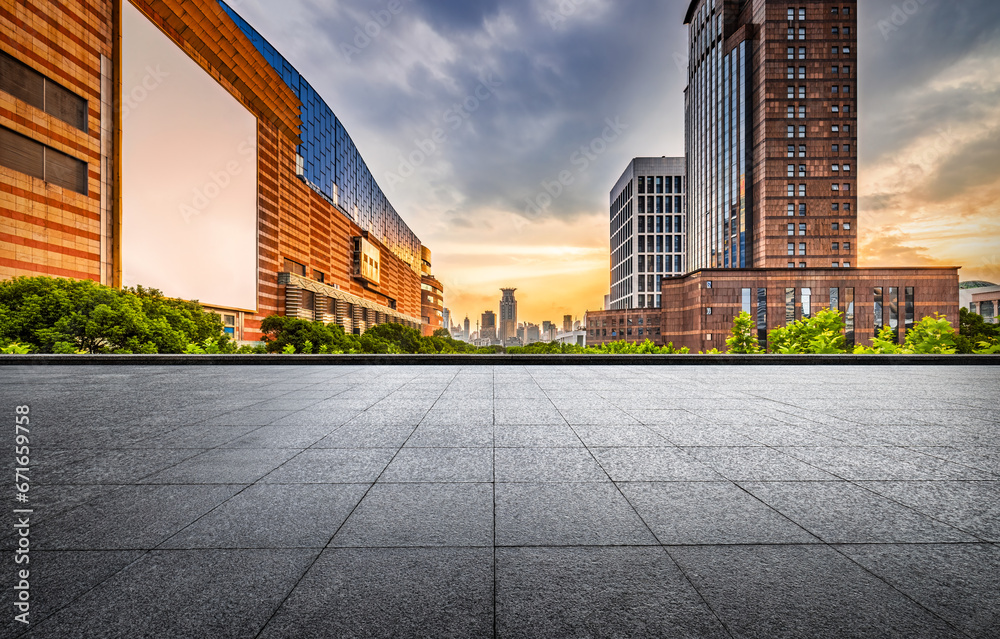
x=686, y=321
x=45, y=229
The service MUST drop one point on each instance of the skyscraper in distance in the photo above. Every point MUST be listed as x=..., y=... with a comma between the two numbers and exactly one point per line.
x=489, y=326
x=508, y=315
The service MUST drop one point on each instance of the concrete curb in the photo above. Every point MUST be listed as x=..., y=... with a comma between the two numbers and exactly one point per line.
x=499, y=360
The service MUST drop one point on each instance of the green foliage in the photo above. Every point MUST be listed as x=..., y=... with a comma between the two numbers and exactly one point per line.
x=882, y=344
x=988, y=348
x=743, y=338
x=973, y=330
x=714, y=351
x=15, y=349
x=55, y=315
x=931, y=335
x=442, y=332
x=611, y=348
x=821, y=334
x=288, y=350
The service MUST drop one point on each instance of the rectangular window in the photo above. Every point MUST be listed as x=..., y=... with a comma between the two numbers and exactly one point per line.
x=649, y=185
x=27, y=85
x=789, y=305
x=910, y=309
x=791, y=170
x=806, y=303
x=802, y=190
x=659, y=204
x=292, y=266
x=847, y=246
x=802, y=113
x=745, y=296
x=677, y=205
x=849, y=317
x=677, y=264
x=802, y=132
x=802, y=93
x=659, y=243
x=642, y=186
x=836, y=246
x=659, y=224
x=791, y=210
x=791, y=248
x=835, y=299
x=791, y=111
x=802, y=248
x=642, y=243
x=659, y=263
x=802, y=170
x=791, y=93
x=642, y=204
x=677, y=224
x=802, y=34
x=791, y=150
x=802, y=150
x=894, y=311
x=802, y=73
x=37, y=160
x=678, y=185
x=659, y=185
x=791, y=229
x=802, y=229
x=802, y=209
x=762, y=317
x=677, y=243
x=878, y=309
x=791, y=130
x=802, y=53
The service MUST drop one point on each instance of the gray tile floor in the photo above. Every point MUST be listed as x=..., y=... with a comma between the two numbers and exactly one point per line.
x=509, y=501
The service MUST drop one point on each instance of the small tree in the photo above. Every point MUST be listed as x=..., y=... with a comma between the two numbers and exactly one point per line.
x=743, y=338
x=931, y=335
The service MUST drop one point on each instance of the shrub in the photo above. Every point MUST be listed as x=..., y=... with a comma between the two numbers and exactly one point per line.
x=931, y=335
x=973, y=331
x=743, y=338
x=821, y=334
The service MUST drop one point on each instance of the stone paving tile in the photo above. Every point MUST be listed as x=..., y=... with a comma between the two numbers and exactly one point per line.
x=566, y=515
x=391, y=592
x=440, y=465
x=840, y=512
x=300, y=501
x=802, y=591
x=273, y=516
x=421, y=515
x=959, y=582
x=246, y=587
x=710, y=513
x=597, y=592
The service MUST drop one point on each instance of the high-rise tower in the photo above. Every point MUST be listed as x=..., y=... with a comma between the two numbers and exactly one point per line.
x=771, y=133
x=508, y=315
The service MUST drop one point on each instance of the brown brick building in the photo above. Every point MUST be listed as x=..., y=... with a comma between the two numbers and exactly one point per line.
x=431, y=296
x=323, y=241
x=772, y=147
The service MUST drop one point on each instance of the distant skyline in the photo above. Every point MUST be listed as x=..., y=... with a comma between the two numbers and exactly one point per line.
x=523, y=90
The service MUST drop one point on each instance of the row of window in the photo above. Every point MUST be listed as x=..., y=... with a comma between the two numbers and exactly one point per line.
x=802, y=150
x=802, y=52
x=802, y=189
x=662, y=203
x=836, y=108
x=802, y=169
x=835, y=207
x=835, y=128
x=646, y=244
x=801, y=32
x=38, y=160
x=659, y=264
x=646, y=224
x=30, y=86
x=801, y=75
x=660, y=184
x=832, y=264
x=802, y=13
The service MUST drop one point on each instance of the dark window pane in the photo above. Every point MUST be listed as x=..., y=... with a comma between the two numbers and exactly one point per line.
x=65, y=105
x=21, y=81
x=65, y=171
x=22, y=154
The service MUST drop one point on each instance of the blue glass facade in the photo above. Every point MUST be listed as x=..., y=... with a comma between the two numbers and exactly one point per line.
x=330, y=162
x=718, y=138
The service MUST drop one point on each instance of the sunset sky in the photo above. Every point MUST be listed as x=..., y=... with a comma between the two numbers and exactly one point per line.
x=551, y=74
